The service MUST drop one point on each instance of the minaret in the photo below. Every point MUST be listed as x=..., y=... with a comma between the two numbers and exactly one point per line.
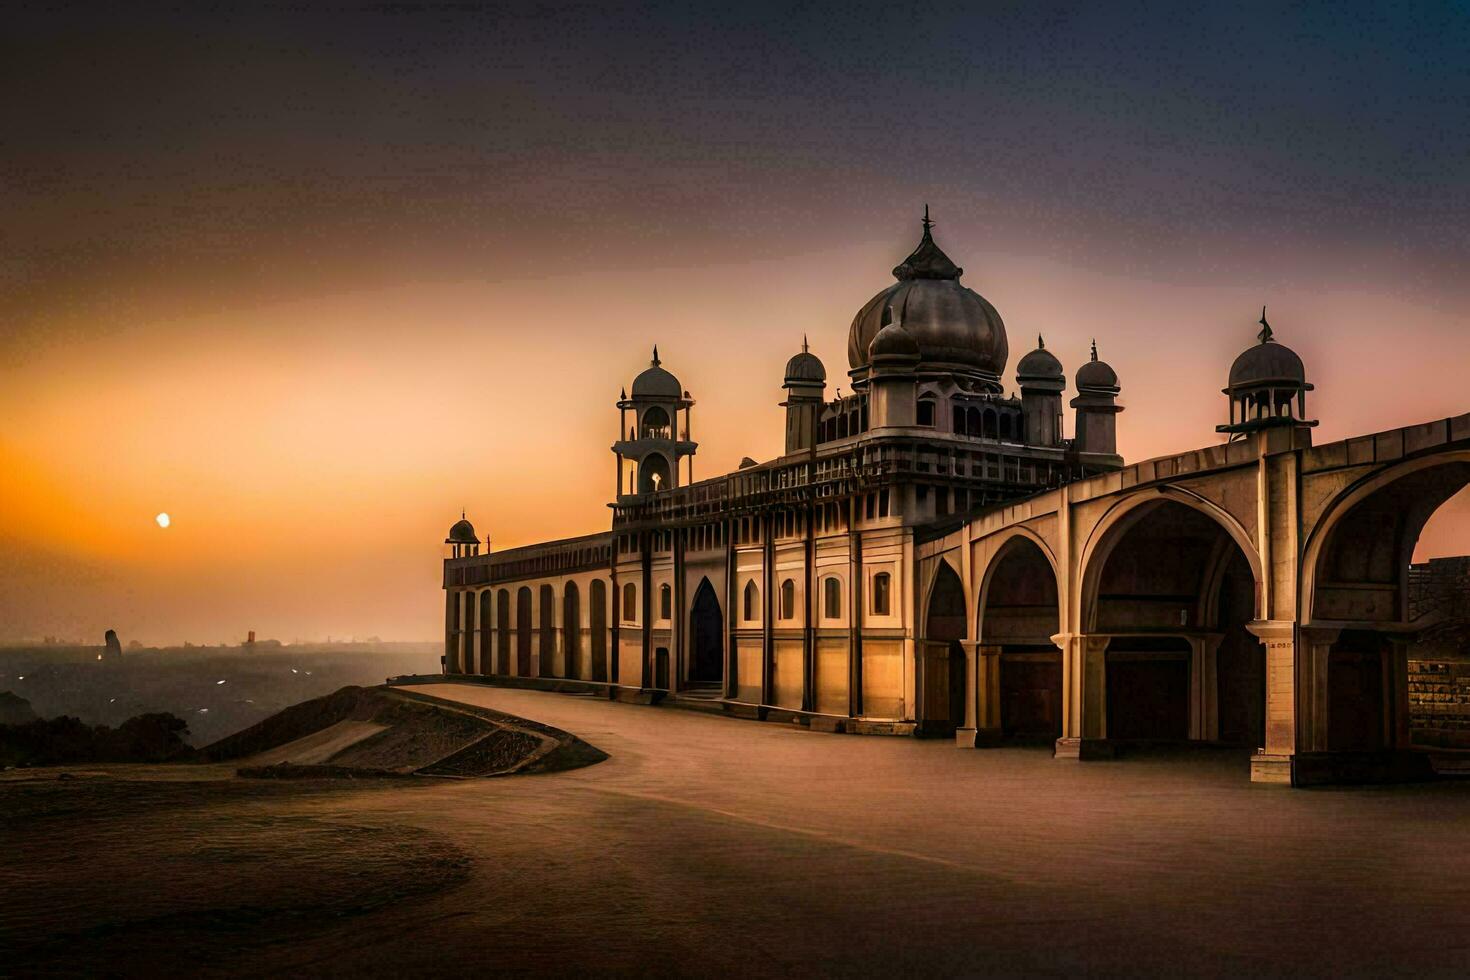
x=1042, y=382
x=652, y=441
x=462, y=540
x=806, y=393
x=1097, y=408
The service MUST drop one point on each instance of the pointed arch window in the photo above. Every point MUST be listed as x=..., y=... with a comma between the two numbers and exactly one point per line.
x=665, y=602
x=788, y=599
x=630, y=603
x=751, y=607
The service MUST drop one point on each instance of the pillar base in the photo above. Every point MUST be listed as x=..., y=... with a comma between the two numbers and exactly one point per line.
x=1083, y=749
x=1271, y=769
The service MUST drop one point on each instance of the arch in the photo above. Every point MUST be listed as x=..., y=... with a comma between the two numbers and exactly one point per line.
x=972, y=421
x=1408, y=525
x=1169, y=582
x=1017, y=614
x=925, y=411
x=707, y=637
x=958, y=414
x=597, y=599
x=1108, y=532
x=655, y=423
x=987, y=424
x=452, y=643
x=546, y=644
x=750, y=602
x=502, y=631
x=1005, y=426
x=788, y=599
x=523, y=631
x=630, y=603
x=487, y=626
x=665, y=602
x=468, y=664
x=941, y=666
x=571, y=629
x=653, y=473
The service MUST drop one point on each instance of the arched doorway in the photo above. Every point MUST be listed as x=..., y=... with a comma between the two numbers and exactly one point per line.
x=571, y=629
x=1018, y=618
x=942, y=705
x=1170, y=591
x=653, y=473
x=523, y=631
x=707, y=638
x=502, y=631
x=597, y=596
x=546, y=646
x=468, y=666
x=1393, y=633
x=487, y=634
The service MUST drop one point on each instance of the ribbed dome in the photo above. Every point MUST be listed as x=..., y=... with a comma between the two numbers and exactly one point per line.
x=655, y=382
x=463, y=532
x=805, y=368
x=1040, y=365
x=951, y=324
x=1096, y=374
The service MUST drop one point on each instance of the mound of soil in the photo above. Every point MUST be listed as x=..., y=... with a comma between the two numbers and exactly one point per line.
x=362, y=732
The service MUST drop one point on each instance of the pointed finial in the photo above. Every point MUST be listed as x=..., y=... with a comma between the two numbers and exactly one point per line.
x=656, y=361
x=1040, y=342
x=804, y=348
x=461, y=513
x=1094, y=348
x=1265, y=335
x=622, y=394
x=927, y=223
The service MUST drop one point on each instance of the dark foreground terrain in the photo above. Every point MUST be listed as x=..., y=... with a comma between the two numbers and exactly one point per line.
x=705, y=846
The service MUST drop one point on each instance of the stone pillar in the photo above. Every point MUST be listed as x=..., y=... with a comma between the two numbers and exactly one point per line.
x=985, y=662
x=1313, y=649
x=1084, y=696
x=1288, y=712
x=965, y=734
x=1204, y=701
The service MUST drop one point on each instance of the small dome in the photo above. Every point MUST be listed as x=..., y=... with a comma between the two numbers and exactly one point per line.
x=893, y=342
x=1267, y=362
x=655, y=382
x=805, y=368
x=1040, y=365
x=1096, y=374
x=463, y=532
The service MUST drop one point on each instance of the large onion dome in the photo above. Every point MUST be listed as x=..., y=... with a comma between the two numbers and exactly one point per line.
x=955, y=327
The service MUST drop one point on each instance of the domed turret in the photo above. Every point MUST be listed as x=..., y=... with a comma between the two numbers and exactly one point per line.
x=1097, y=407
x=806, y=392
x=805, y=368
x=955, y=328
x=1041, y=380
x=653, y=444
x=1040, y=367
x=1267, y=386
x=462, y=540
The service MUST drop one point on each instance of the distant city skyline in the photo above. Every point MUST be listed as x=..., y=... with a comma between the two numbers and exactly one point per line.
x=310, y=284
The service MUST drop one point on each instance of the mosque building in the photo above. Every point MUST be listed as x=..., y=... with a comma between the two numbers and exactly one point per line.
x=930, y=555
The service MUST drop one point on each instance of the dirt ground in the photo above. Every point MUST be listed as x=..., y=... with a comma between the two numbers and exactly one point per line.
x=705, y=845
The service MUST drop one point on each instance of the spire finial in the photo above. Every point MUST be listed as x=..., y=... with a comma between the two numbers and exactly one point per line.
x=1094, y=348
x=804, y=349
x=1040, y=342
x=927, y=223
x=1265, y=335
x=623, y=394
x=656, y=361
x=461, y=513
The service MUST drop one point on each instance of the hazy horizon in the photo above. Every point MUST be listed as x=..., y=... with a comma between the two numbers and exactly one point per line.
x=313, y=282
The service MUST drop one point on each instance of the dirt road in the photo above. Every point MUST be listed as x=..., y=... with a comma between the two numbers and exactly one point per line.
x=706, y=845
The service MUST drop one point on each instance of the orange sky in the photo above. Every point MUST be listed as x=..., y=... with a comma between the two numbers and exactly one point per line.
x=312, y=278
x=312, y=451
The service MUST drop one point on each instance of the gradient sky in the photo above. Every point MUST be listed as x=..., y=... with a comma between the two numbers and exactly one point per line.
x=312, y=280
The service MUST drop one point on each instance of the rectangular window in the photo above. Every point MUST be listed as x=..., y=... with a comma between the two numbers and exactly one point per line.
x=881, y=589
